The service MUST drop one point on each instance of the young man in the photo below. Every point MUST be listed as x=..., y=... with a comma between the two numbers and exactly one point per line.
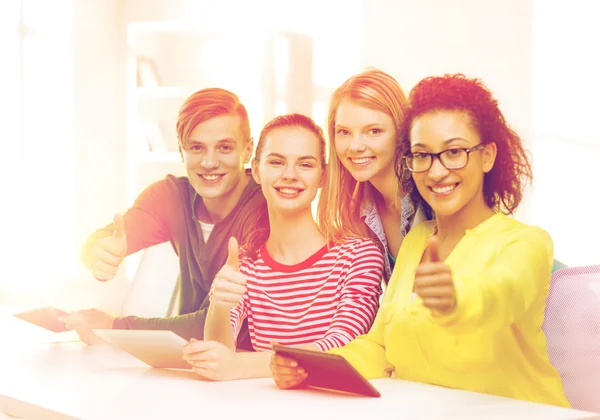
x=198, y=214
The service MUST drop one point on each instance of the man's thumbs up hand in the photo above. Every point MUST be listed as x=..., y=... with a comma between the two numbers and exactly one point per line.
x=108, y=252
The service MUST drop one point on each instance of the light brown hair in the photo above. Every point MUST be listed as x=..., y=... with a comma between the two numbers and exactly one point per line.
x=338, y=211
x=206, y=104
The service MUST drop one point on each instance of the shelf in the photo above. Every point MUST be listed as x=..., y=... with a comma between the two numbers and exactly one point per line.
x=162, y=157
x=153, y=27
x=149, y=92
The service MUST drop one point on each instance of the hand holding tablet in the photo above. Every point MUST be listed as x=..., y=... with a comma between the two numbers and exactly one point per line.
x=321, y=370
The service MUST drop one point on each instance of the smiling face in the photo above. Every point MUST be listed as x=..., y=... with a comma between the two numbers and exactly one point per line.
x=289, y=169
x=450, y=191
x=365, y=141
x=214, y=156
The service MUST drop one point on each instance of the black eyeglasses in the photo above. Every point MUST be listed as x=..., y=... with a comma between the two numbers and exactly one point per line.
x=455, y=158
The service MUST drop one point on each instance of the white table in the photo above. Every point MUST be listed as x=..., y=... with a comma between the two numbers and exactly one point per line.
x=66, y=380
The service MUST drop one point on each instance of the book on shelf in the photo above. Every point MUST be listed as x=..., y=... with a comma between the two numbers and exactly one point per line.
x=150, y=137
x=147, y=72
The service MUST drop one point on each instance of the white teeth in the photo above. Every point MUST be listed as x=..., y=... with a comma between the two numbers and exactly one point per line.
x=211, y=177
x=361, y=160
x=288, y=190
x=441, y=190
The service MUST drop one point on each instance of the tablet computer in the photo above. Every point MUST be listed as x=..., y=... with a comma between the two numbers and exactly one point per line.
x=45, y=317
x=328, y=371
x=157, y=348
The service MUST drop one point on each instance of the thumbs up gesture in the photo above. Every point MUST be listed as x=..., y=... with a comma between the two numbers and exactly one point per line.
x=229, y=284
x=433, y=281
x=108, y=252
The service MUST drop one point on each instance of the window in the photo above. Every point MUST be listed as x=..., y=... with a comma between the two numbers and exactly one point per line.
x=37, y=160
x=566, y=143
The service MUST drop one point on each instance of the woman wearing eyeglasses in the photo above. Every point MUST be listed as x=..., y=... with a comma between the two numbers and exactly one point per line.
x=465, y=308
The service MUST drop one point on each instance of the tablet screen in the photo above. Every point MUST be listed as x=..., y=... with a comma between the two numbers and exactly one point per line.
x=157, y=348
x=328, y=371
x=45, y=317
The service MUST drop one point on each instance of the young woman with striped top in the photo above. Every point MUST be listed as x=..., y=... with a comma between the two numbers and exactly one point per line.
x=291, y=285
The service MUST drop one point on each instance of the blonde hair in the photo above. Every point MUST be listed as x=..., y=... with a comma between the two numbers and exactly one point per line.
x=207, y=104
x=338, y=211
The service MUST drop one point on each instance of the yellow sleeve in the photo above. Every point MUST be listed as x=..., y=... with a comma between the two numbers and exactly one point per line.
x=507, y=288
x=366, y=353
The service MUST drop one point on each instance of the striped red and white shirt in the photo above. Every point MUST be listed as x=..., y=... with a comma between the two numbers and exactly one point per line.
x=328, y=299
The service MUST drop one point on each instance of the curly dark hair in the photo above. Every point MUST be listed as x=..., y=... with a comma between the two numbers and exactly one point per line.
x=503, y=186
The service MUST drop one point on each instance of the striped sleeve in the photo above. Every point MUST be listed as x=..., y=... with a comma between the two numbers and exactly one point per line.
x=240, y=312
x=237, y=316
x=359, y=301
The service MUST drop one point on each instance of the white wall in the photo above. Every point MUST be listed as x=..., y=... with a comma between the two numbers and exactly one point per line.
x=491, y=40
x=99, y=112
x=10, y=108
x=567, y=142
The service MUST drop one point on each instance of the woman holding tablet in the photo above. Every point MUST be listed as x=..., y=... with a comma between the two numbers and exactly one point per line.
x=292, y=285
x=465, y=308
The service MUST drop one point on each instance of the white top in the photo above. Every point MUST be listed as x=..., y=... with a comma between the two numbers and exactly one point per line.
x=206, y=230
